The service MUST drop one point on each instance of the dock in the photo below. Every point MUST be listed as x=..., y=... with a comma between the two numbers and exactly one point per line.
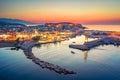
x=92, y=44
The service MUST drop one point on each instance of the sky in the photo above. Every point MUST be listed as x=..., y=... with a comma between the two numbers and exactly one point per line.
x=77, y=11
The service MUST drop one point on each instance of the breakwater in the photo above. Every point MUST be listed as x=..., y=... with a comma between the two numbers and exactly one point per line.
x=95, y=43
x=27, y=48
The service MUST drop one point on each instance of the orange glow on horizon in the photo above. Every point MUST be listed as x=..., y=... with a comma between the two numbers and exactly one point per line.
x=64, y=17
x=79, y=11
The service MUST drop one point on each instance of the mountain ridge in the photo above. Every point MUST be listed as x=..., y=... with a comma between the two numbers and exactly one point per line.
x=14, y=21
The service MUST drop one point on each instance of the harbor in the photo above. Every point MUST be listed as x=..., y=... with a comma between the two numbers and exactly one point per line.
x=102, y=61
x=60, y=40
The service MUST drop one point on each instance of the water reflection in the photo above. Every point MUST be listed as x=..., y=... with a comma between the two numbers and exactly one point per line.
x=85, y=56
x=85, y=53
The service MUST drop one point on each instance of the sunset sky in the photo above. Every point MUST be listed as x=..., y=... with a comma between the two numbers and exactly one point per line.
x=78, y=11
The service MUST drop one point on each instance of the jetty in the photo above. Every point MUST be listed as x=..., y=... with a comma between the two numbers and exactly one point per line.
x=27, y=48
x=91, y=44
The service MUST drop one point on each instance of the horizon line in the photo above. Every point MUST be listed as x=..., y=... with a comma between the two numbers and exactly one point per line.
x=110, y=22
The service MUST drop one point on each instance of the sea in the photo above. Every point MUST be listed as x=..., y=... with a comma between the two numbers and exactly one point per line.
x=100, y=63
x=103, y=27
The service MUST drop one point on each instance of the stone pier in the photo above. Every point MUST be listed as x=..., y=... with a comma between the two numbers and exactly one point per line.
x=95, y=43
x=27, y=48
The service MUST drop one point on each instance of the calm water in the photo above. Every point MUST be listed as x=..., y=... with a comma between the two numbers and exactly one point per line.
x=103, y=27
x=101, y=63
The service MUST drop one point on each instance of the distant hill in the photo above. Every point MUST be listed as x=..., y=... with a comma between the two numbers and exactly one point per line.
x=4, y=21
